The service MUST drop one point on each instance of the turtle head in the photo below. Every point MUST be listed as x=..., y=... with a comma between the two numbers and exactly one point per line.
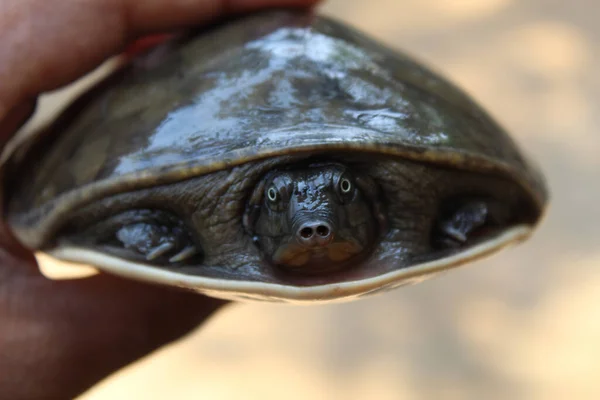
x=315, y=219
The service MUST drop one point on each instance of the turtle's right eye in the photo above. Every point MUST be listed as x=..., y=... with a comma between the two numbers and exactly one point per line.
x=156, y=236
x=276, y=195
x=273, y=194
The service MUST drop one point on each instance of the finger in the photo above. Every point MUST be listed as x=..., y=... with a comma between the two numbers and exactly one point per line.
x=58, y=338
x=15, y=260
x=15, y=119
x=143, y=44
x=67, y=335
x=48, y=43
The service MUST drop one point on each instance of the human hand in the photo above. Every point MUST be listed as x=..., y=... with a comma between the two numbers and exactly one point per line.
x=58, y=338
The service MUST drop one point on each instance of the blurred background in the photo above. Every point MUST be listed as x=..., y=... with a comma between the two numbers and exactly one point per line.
x=524, y=324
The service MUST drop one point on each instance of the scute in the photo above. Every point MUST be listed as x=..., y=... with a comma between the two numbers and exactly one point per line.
x=272, y=84
x=236, y=93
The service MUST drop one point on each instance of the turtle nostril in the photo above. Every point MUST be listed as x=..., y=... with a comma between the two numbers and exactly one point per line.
x=306, y=232
x=315, y=234
x=322, y=230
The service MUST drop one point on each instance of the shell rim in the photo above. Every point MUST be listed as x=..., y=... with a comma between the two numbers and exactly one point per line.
x=244, y=290
x=28, y=233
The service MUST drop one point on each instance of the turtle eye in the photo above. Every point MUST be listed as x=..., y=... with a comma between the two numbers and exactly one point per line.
x=273, y=194
x=274, y=198
x=277, y=195
x=345, y=185
x=345, y=188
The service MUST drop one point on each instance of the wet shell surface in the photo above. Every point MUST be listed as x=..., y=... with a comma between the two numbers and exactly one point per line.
x=281, y=156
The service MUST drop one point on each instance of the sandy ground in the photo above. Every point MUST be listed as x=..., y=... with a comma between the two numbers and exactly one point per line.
x=524, y=324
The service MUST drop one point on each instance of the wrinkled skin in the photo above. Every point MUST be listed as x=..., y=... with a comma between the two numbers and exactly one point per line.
x=401, y=213
x=315, y=219
x=153, y=183
x=143, y=317
x=59, y=338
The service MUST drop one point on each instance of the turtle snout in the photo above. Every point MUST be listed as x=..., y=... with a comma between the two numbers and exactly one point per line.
x=315, y=234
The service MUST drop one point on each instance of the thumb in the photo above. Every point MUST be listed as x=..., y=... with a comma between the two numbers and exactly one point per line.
x=58, y=338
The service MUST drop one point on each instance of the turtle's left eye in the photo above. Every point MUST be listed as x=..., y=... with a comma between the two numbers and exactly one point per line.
x=345, y=188
x=345, y=185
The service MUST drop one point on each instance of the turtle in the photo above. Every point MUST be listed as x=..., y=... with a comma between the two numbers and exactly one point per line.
x=278, y=156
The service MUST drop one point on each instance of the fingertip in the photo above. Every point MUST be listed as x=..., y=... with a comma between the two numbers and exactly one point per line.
x=47, y=44
x=15, y=118
x=145, y=43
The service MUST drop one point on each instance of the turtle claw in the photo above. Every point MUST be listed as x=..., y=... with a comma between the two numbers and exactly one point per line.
x=159, y=251
x=164, y=248
x=184, y=254
x=455, y=234
x=456, y=228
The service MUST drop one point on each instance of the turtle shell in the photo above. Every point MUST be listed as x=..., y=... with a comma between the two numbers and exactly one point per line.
x=268, y=85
